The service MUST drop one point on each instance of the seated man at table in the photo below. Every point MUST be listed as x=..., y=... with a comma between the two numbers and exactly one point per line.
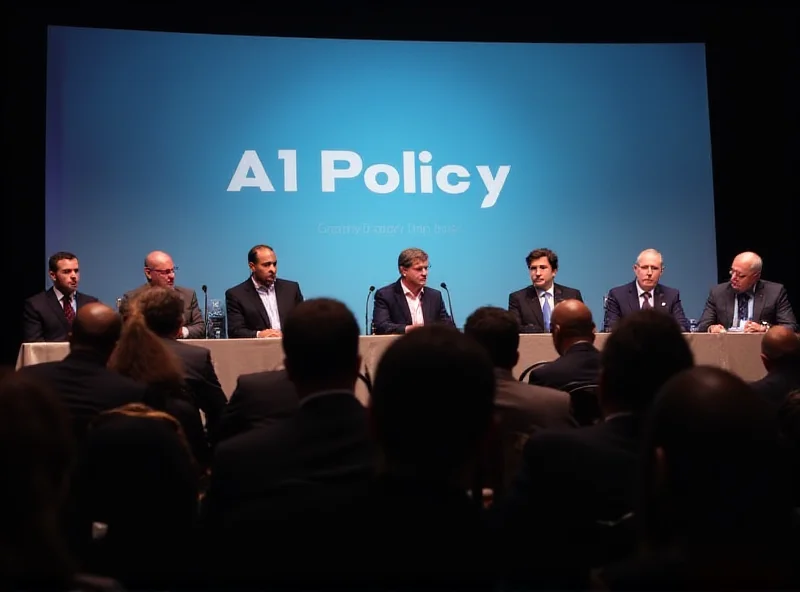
x=259, y=305
x=533, y=306
x=159, y=269
x=746, y=303
x=645, y=292
x=48, y=315
x=409, y=303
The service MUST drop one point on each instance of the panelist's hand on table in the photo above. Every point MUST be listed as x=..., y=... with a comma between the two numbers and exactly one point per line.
x=269, y=333
x=749, y=327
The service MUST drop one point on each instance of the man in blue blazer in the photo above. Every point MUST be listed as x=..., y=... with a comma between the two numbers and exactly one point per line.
x=644, y=292
x=408, y=303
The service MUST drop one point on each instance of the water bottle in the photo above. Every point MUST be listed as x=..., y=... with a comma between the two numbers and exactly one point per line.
x=692, y=325
x=216, y=320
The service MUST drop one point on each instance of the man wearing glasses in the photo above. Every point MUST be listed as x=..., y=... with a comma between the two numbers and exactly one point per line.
x=746, y=303
x=159, y=270
x=408, y=303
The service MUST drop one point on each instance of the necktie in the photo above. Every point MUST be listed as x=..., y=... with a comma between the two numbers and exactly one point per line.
x=743, y=300
x=646, y=301
x=69, y=312
x=546, y=311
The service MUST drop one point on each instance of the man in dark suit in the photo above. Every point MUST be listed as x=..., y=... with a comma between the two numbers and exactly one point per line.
x=162, y=308
x=408, y=303
x=573, y=337
x=520, y=409
x=260, y=399
x=83, y=382
x=533, y=306
x=48, y=316
x=564, y=507
x=259, y=305
x=780, y=353
x=159, y=269
x=307, y=464
x=747, y=301
x=644, y=292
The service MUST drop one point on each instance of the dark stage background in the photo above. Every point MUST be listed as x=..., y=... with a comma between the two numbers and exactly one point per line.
x=753, y=61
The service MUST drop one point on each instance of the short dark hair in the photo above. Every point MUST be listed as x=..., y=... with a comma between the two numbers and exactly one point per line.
x=421, y=379
x=552, y=258
x=252, y=254
x=161, y=308
x=497, y=330
x=320, y=340
x=644, y=351
x=52, y=263
x=408, y=256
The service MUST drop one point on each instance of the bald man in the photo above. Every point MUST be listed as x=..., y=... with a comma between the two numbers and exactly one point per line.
x=645, y=291
x=160, y=270
x=746, y=303
x=82, y=380
x=573, y=333
x=780, y=354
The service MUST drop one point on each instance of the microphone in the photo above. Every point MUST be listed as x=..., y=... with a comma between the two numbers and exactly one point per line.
x=205, y=309
x=366, y=311
x=449, y=302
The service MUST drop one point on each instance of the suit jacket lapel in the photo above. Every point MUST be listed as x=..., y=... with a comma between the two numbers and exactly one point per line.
x=58, y=310
x=633, y=298
x=558, y=295
x=536, y=307
x=80, y=300
x=726, y=318
x=428, y=314
x=281, y=297
x=256, y=298
x=758, y=303
x=658, y=298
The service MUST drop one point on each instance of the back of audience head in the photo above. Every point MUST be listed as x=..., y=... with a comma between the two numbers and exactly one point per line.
x=570, y=322
x=36, y=454
x=140, y=353
x=96, y=328
x=320, y=345
x=432, y=403
x=161, y=309
x=715, y=465
x=497, y=330
x=143, y=411
x=645, y=350
x=780, y=348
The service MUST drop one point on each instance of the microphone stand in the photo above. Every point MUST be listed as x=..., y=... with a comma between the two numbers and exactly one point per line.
x=366, y=312
x=205, y=310
x=449, y=303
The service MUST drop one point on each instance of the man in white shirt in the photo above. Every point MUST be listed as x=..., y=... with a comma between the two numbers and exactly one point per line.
x=259, y=305
x=408, y=303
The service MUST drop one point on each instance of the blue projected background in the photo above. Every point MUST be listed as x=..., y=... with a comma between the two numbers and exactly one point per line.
x=332, y=152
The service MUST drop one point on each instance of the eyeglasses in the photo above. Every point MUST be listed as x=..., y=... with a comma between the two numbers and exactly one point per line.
x=163, y=271
x=739, y=274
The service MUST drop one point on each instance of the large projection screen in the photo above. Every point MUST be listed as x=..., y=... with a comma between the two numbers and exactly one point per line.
x=341, y=153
